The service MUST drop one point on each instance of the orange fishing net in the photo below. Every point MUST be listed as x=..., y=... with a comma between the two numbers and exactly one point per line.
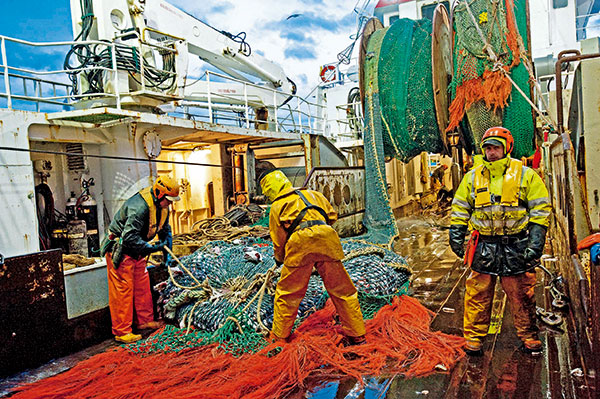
x=399, y=341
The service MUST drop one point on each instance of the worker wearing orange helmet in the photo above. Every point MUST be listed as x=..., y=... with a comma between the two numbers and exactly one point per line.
x=299, y=225
x=126, y=247
x=506, y=206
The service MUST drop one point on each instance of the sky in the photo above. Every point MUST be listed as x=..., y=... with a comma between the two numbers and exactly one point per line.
x=300, y=35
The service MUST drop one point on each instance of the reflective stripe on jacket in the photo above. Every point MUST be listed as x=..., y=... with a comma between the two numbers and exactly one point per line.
x=501, y=198
x=319, y=239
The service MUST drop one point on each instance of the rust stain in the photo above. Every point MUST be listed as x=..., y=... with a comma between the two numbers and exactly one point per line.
x=132, y=131
x=54, y=131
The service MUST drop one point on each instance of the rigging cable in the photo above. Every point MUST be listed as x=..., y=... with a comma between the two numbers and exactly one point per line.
x=119, y=158
x=344, y=55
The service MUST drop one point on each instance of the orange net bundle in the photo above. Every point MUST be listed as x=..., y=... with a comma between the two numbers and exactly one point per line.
x=399, y=341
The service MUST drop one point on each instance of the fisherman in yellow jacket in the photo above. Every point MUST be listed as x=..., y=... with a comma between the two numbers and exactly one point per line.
x=302, y=237
x=506, y=206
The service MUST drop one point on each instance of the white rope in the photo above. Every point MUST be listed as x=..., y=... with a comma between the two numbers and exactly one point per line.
x=499, y=66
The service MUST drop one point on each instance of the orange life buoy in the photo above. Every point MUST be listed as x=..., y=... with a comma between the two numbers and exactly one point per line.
x=328, y=73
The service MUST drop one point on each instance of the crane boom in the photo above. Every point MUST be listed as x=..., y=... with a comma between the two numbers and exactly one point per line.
x=154, y=39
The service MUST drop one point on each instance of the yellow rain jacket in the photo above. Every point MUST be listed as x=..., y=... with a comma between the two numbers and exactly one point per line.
x=317, y=239
x=508, y=204
x=313, y=243
x=500, y=199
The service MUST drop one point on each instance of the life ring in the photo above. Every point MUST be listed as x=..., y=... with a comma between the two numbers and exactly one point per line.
x=326, y=73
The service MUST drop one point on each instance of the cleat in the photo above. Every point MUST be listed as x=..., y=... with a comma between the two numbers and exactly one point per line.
x=128, y=338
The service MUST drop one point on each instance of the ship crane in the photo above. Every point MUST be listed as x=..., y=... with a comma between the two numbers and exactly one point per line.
x=154, y=39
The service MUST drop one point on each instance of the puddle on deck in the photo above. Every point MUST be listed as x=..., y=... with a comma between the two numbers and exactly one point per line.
x=503, y=372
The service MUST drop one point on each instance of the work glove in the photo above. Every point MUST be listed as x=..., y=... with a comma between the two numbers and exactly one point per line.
x=457, y=239
x=595, y=254
x=536, y=242
x=159, y=246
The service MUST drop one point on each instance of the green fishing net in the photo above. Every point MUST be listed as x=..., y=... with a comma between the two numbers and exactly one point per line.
x=471, y=61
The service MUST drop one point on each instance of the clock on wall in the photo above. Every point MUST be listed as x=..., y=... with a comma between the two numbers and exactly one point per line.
x=152, y=144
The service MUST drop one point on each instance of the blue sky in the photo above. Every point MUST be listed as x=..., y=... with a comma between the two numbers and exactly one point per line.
x=36, y=20
x=300, y=44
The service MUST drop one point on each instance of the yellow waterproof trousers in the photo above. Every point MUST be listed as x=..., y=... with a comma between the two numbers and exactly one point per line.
x=292, y=286
x=479, y=295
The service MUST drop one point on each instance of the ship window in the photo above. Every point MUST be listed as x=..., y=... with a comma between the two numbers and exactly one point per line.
x=389, y=18
x=560, y=3
x=428, y=9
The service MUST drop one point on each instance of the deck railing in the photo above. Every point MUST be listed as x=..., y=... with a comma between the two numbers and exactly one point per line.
x=50, y=90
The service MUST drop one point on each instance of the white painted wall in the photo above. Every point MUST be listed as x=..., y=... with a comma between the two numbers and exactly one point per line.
x=552, y=30
x=18, y=223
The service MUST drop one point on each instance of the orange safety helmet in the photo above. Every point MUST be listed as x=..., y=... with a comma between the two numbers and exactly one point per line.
x=501, y=135
x=166, y=186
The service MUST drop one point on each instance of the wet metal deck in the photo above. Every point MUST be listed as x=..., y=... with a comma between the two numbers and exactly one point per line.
x=504, y=371
x=438, y=282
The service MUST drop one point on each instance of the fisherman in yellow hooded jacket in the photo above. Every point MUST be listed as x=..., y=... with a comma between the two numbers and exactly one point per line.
x=299, y=225
x=506, y=205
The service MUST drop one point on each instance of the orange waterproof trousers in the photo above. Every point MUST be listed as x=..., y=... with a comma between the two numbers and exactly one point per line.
x=129, y=294
x=479, y=295
x=292, y=286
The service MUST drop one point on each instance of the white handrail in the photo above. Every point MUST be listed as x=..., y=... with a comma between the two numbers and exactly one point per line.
x=53, y=88
x=210, y=113
x=6, y=77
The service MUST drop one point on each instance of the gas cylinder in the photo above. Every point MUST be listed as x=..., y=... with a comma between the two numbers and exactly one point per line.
x=88, y=211
x=70, y=206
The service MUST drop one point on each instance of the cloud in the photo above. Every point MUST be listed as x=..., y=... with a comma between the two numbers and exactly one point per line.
x=298, y=36
x=310, y=20
x=300, y=53
x=302, y=79
x=220, y=8
x=312, y=2
x=300, y=45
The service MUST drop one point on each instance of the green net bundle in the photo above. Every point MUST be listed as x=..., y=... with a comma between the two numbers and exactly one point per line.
x=217, y=298
x=479, y=87
x=398, y=66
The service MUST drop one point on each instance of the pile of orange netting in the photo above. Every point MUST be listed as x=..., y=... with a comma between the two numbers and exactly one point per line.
x=399, y=341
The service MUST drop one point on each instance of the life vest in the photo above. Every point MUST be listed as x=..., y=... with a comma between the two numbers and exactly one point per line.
x=506, y=215
x=153, y=226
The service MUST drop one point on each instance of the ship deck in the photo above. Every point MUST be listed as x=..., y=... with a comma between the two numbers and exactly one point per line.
x=438, y=282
